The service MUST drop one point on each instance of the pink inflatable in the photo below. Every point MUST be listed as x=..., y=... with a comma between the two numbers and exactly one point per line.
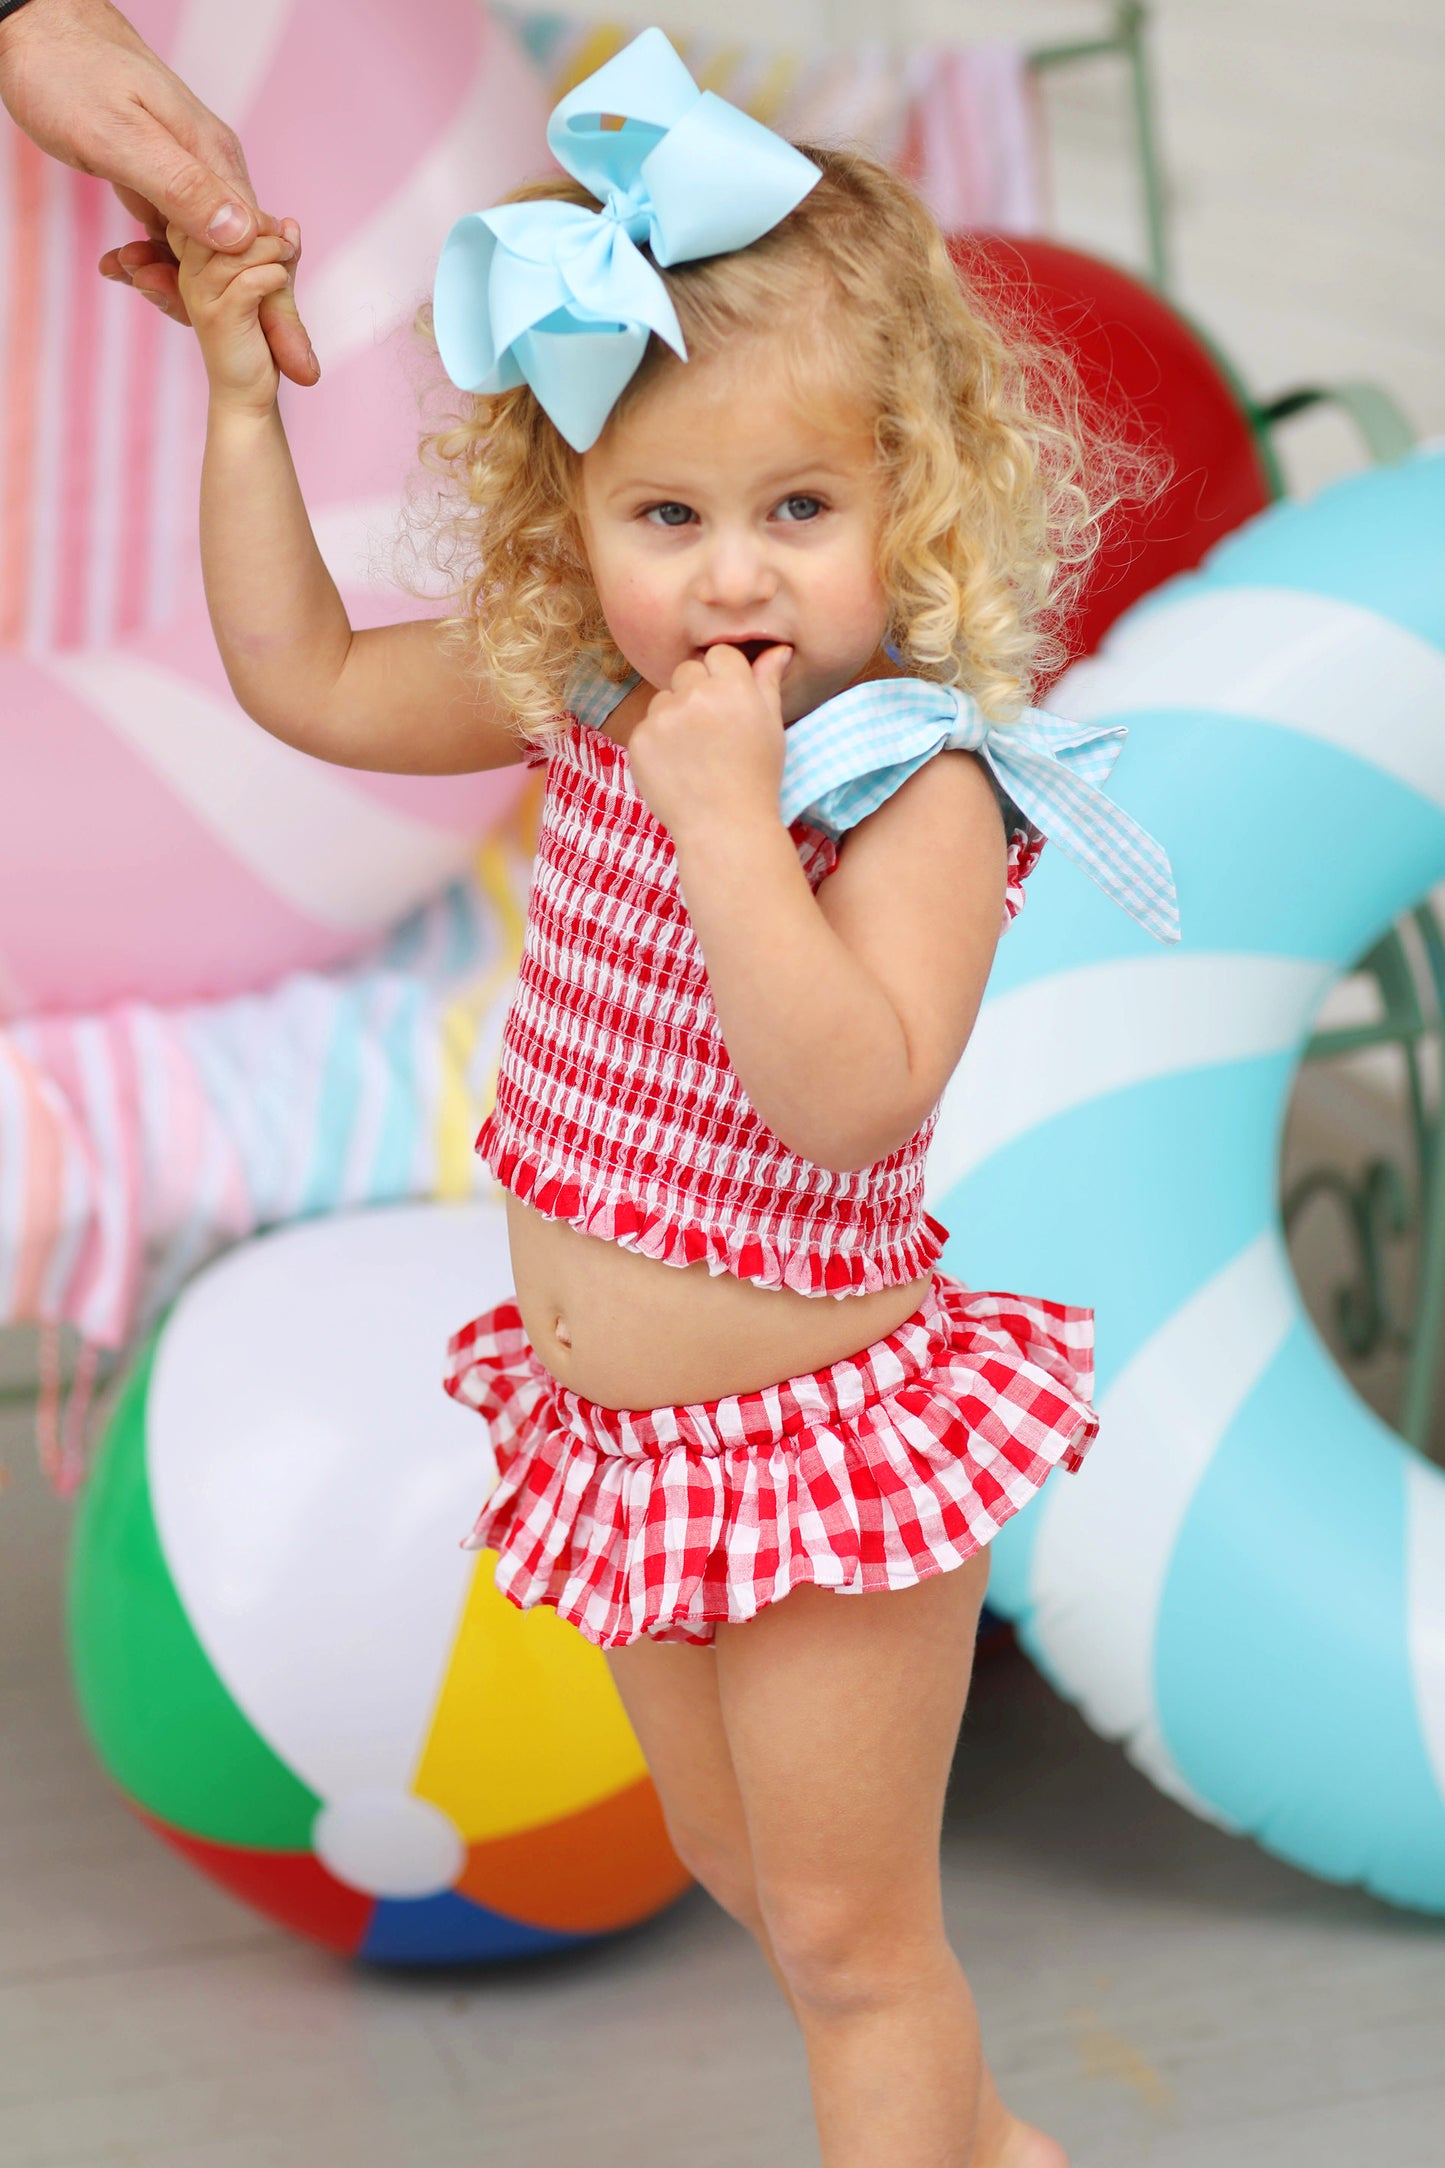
x=153, y=841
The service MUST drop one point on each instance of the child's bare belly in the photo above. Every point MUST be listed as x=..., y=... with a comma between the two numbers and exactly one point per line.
x=631, y=1332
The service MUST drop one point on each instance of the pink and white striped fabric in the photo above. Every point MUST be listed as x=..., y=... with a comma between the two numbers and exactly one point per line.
x=154, y=843
x=138, y=1142
x=974, y=146
x=885, y=1468
x=961, y=121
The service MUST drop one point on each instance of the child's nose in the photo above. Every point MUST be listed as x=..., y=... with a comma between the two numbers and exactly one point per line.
x=736, y=573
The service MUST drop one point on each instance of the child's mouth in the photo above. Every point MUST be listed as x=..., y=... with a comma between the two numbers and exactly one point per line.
x=751, y=648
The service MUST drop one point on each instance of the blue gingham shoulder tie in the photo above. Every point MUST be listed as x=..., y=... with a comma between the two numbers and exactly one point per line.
x=849, y=756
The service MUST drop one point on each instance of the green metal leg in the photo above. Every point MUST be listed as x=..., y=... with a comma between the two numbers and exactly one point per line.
x=1378, y=1207
x=1126, y=40
x=1386, y=430
x=1415, y=1418
x=1415, y=1423
x=1132, y=18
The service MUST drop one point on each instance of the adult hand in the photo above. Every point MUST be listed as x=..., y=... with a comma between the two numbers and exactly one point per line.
x=87, y=88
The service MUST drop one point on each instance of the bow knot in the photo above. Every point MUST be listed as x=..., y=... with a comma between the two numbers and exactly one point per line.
x=560, y=296
x=842, y=761
x=970, y=733
x=631, y=209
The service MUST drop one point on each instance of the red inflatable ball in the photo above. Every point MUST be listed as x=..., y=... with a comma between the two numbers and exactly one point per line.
x=1153, y=376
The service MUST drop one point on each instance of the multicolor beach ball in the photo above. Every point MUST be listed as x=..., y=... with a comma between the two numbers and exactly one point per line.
x=285, y=1661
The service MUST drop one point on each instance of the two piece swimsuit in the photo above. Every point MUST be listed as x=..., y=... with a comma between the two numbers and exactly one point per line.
x=617, y=1109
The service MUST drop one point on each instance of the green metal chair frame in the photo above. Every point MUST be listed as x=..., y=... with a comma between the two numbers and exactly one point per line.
x=1125, y=39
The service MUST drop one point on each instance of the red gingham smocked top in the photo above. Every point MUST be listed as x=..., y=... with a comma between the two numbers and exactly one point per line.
x=617, y=1107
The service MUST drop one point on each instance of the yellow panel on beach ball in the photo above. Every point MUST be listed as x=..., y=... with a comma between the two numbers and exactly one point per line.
x=528, y=1726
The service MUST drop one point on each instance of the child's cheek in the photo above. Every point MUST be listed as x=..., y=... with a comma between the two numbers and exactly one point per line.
x=854, y=607
x=627, y=586
x=641, y=617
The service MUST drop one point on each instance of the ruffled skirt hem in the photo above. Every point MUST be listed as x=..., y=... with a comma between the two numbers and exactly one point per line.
x=892, y=1465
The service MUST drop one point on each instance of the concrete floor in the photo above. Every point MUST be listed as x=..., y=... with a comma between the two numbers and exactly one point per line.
x=1153, y=1991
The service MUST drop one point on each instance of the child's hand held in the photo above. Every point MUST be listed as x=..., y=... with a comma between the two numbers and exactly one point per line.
x=709, y=750
x=223, y=296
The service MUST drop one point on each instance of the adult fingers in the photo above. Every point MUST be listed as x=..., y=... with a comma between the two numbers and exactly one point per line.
x=156, y=223
x=161, y=181
x=160, y=283
x=158, y=279
x=150, y=268
x=154, y=247
x=103, y=101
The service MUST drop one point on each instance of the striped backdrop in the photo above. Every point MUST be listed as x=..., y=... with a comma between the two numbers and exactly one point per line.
x=961, y=121
x=153, y=843
x=136, y=1144
x=102, y=420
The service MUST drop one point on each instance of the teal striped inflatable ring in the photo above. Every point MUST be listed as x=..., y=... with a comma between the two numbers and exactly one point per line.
x=1246, y=1582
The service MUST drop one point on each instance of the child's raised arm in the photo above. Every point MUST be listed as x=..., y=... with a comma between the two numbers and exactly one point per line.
x=394, y=697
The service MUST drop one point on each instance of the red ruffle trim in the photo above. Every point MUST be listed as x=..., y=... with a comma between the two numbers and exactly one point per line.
x=895, y=1465
x=1025, y=848
x=655, y=1232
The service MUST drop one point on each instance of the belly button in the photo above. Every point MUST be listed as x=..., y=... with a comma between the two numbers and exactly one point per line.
x=564, y=1338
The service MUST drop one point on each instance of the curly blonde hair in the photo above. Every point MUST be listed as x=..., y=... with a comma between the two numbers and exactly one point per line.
x=997, y=479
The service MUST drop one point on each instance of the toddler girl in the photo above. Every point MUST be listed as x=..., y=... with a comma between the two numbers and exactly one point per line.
x=761, y=532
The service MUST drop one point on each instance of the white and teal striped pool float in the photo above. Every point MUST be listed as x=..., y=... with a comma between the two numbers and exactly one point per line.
x=1246, y=1582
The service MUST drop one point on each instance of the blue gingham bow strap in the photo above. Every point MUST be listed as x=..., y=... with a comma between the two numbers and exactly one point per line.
x=561, y=297
x=850, y=755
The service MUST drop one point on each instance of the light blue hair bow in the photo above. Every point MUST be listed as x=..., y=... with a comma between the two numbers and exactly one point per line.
x=561, y=297
x=848, y=756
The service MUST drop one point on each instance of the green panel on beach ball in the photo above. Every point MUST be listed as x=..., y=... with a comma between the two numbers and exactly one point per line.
x=159, y=1717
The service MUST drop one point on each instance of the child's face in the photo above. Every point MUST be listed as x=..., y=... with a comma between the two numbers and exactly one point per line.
x=714, y=509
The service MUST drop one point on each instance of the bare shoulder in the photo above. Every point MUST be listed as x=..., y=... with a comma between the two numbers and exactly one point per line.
x=918, y=896
x=937, y=842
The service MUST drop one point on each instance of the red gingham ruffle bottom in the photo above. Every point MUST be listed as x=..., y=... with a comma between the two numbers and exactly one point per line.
x=889, y=1466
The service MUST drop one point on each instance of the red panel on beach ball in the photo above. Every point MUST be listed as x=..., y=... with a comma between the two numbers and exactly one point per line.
x=292, y=1888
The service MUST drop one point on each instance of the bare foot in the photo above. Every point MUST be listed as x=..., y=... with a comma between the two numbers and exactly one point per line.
x=1020, y=2146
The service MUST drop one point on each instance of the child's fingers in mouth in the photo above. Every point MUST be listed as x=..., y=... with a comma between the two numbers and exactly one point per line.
x=750, y=648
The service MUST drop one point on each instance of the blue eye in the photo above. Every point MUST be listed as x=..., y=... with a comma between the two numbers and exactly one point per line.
x=801, y=507
x=669, y=515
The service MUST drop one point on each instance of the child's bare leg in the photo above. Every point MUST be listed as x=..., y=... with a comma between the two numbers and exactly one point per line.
x=841, y=1715
x=670, y=1692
